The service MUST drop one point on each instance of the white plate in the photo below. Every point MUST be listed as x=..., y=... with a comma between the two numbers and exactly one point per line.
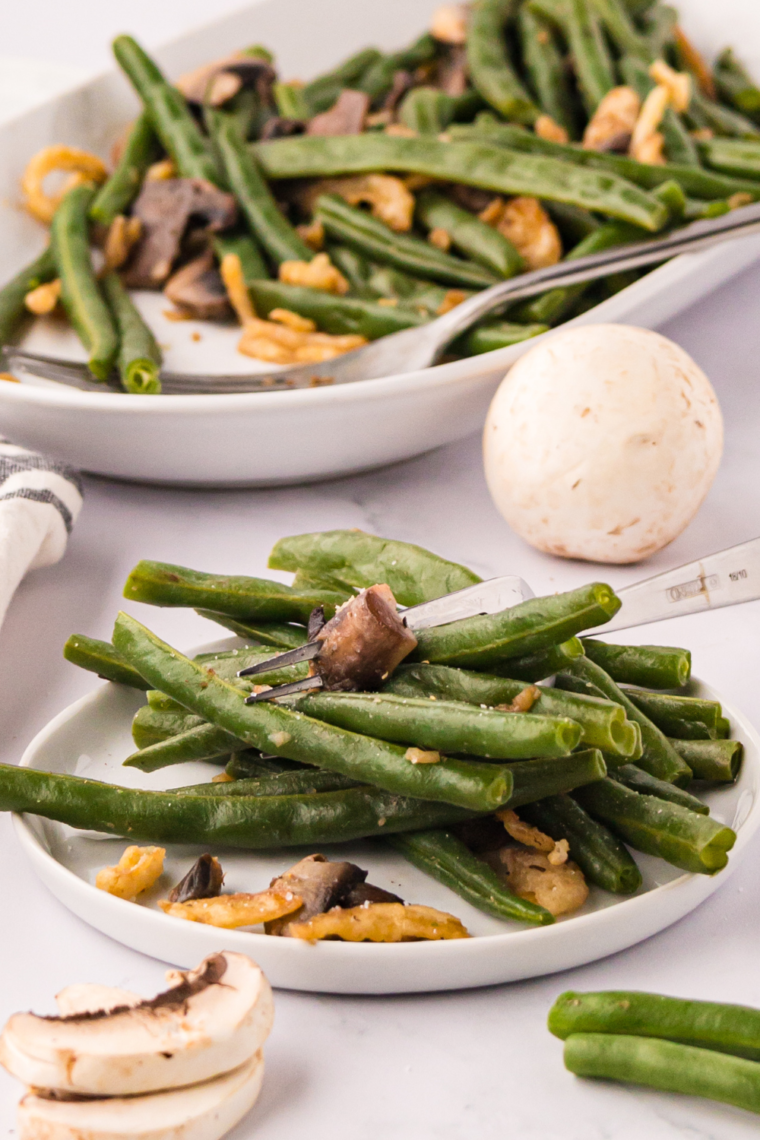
x=92, y=737
x=286, y=437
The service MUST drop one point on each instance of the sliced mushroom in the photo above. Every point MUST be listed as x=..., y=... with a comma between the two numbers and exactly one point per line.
x=364, y=642
x=363, y=893
x=217, y=82
x=206, y=1111
x=89, y=997
x=208, y=1022
x=345, y=117
x=197, y=289
x=203, y=881
x=319, y=883
x=165, y=209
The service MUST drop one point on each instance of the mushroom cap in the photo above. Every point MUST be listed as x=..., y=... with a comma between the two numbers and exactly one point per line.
x=204, y=1112
x=601, y=443
x=209, y=1022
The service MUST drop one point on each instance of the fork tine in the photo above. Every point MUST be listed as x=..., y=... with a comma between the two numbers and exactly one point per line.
x=303, y=653
x=284, y=690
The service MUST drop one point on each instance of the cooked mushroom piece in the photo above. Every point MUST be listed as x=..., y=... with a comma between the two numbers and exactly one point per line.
x=165, y=209
x=363, y=893
x=320, y=885
x=215, y=83
x=197, y=289
x=203, y=881
x=279, y=128
x=345, y=117
x=365, y=641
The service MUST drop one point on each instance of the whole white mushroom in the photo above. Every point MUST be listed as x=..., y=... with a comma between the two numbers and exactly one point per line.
x=601, y=443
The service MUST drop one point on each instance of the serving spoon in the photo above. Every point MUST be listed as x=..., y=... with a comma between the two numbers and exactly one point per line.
x=422, y=346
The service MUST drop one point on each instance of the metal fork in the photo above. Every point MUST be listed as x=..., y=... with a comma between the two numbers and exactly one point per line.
x=423, y=346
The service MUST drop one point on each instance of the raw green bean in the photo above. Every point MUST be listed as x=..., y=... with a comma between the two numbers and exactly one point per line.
x=359, y=230
x=322, y=92
x=440, y=854
x=357, y=560
x=736, y=85
x=244, y=247
x=268, y=225
x=480, y=642
x=162, y=584
x=301, y=783
x=100, y=657
x=718, y=760
x=665, y=1065
x=377, y=80
x=604, y=860
x=12, y=295
x=544, y=663
x=545, y=67
x=198, y=742
x=271, y=728
x=468, y=234
x=290, y=100
x=653, y=666
x=491, y=71
x=477, y=163
x=168, y=112
x=445, y=726
x=80, y=292
x=603, y=723
x=535, y=779
x=139, y=359
x=688, y=718
x=732, y=156
x=121, y=188
x=690, y=841
x=592, y=64
x=705, y=1024
x=640, y=781
x=336, y=315
x=250, y=822
x=493, y=335
x=659, y=757
x=265, y=633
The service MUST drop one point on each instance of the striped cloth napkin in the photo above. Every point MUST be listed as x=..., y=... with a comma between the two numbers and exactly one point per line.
x=39, y=504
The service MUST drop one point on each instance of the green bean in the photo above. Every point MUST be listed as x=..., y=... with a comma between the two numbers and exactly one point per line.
x=717, y=760
x=545, y=662
x=252, y=764
x=535, y=779
x=12, y=295
x=468, y=234
x=359, y=230
x=198, y=742
x=620, y=28
x=601, y=856
x=357, y=560
x=168, y=112
x=300, y=783
x=679, y=145
x=711, y=1025
x=591, y=60
x=244, y=247
x=732, y=156
x=100, y=657
x=265, y=633
x=268, y=225
x=545, y=67
x=446, y=726
x=291, y=101
x=573, y=223
x=121, y=188
x=603, y=723
x=250, y=822
x=423, y=297
x=478, y=642
x=355, y=267
x=475, y=163
x=736, y=85
x=425, y=110
x=689, y=718
x=723, y=728
x=336, y=315
x=665, y=1065
x=640, y=781
x=491, y=71
x=493, y=335
x=440, y=854
x=703, y=112
x=690, y=841
x=139, y=359
x=659, y=757
x=322, y=92
x=163, y=584
x=162, y=703
x=377, y=80
x=653, y=666
x=152, y=726
x=80, y=292
x=269, y=727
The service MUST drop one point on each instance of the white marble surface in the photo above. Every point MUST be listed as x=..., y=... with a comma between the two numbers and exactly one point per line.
x=438, y=1067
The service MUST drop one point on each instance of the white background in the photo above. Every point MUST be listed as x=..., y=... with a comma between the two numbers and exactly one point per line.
x=438, y=1067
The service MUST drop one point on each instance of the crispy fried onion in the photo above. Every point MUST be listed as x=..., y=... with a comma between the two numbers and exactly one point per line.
x=231, y=269
x=531, y=837
x=123, y=235
x=85, y=167
x=524, y=701
x=380, y=922
x=527, y=225
x=230, y=911
x=548, y=128
x=44, y=298
x=611, y=126
x=449, y=24
x=531, y=875
x=319, y=273
x=287, y=338
x=387, y=197
x=673, y=89
x=313, y=233
x=136, y=871
x=161, y=171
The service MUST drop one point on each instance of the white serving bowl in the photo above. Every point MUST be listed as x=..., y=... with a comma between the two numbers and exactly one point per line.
x=258, y=439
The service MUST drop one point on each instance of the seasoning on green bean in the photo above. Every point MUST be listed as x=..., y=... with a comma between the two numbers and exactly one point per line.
x=439, y=853
x=300, y=783
x=493, y=335
x=139, y=358
x=640, y=781
x=469, y=236
x=321, y=93
x=491, y=70
x=604, y=860
x=682, y=837
x=535, y=779
x=265, y=633
x=687, y=718
x=545, y=68
x=121, y=188
x=545, y=662
x=100, y=657
x=483, y=641
x=12, y=295
x=168, y=112
x=80, y=293
x=336, y=315
x=715, y=760
x=652, y=666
